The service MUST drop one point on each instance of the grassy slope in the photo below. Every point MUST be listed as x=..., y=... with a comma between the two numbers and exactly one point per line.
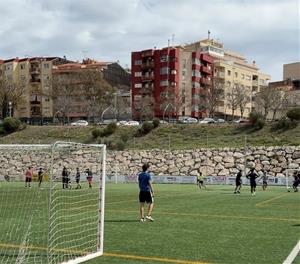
x=175, y=136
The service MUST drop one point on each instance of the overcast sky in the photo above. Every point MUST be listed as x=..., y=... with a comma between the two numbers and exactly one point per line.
x=266, y=31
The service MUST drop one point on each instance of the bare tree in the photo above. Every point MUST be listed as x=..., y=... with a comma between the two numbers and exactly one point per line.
x=10, y=92
x=211, y=96
x=232, y=98
x=243, y=97
x=268, y=99
x=83, y=91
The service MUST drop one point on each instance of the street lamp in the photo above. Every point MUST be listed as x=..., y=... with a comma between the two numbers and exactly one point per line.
x=169, y=104
x=9, y=107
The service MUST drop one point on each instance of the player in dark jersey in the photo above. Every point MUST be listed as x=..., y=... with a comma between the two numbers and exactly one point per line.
x=252, y=175
x=64, y=178
x=146, y=193
x=238, y=182
x=40, y=176
x=89, y=177
x=77, y=179
x=296, y=181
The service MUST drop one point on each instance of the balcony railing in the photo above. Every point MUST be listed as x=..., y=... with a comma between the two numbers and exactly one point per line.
x=205, y=81
x=206, y=69
x=148, y=65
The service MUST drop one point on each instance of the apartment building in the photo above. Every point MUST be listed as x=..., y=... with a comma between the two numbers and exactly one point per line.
x=168, y=81
x=233, y=70
x=291, y=71
x=74, y=99
x=27, y=85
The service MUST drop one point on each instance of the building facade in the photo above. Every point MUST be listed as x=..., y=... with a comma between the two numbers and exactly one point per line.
x=26, y=84
x=235, y=74
x=291, y=71
x=168, y=81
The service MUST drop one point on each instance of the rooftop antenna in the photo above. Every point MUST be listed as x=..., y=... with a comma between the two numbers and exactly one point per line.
x=173, y=37
x=208, y=33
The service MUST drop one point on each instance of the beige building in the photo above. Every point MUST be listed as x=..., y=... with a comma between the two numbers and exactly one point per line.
x=28, y=83
x=291, y=71
x=235, y=73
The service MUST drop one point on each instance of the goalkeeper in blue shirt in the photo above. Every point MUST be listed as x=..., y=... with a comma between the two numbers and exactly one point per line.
x=146, y=193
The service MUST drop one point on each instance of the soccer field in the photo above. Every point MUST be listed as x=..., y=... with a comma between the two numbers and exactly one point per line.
x=191, y=225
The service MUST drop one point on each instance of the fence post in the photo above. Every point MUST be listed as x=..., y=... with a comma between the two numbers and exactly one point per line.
x=245, y=154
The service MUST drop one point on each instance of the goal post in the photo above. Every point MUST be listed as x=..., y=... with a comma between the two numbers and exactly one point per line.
x=61, y=218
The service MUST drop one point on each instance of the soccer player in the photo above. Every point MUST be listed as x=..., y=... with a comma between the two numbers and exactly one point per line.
x=28, y=177
x=40, y=176
x=64, y=178
x=200, y=180
x=238, y=182
x=89, y=177
x=252, y=175
x=265, y=178
x=77, y=178
x=146, y=193
x=296, y=181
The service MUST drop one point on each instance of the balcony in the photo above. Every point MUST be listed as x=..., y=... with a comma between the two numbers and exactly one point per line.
x=148, y=78
x=35, y=80
x=196, y=67
x=195, y=79
x=205, y=81
x=206, y=69
x=148, y=65
x=207, y=58
x=147, y=53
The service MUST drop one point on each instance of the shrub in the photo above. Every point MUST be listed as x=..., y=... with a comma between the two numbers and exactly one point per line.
x=155, y=122
x=257, y=120
x=11, y=124
x=108, y=130
x=294, y=114
x=124, y=137
x=147, y=127
x=97, y=132
x=285, y=123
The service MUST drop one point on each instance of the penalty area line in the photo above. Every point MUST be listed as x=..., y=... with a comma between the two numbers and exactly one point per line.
x=165, y=260
x=293, y=254
x=263, y=203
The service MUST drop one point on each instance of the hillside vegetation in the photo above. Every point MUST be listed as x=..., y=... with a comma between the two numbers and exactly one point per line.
x=179, y=136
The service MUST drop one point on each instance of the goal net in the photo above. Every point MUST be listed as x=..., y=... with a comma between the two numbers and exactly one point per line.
x=289, y=177
x=49, y=218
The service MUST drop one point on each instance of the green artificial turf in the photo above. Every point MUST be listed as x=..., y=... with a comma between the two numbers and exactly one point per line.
x=191, y=225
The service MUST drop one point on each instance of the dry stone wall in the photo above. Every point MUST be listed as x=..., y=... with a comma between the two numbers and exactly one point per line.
x=214, y=162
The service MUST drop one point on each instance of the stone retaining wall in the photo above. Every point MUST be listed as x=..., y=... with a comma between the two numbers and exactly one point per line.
x=222, y=162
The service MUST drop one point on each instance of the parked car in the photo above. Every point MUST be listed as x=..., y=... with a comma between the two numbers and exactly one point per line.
x=80, y=123
x=242, y=121
x=107, y=121
x=220, y=120
x=121, y=123
x=132, y=123
x=190, y=120
x=207, y=120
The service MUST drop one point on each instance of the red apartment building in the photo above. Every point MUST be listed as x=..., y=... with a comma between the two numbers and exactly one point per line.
x=170, y=80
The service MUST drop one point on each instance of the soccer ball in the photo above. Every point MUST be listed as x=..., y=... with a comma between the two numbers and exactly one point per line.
x=288, y=189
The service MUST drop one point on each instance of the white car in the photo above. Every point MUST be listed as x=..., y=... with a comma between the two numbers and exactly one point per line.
x=132, y=123
x=190, y=120
x=207, y=120
x=80, y=123
x=121, y=123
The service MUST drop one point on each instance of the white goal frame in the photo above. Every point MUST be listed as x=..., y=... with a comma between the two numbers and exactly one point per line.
x=101, y=204
x=101, y=192
x=287, y=175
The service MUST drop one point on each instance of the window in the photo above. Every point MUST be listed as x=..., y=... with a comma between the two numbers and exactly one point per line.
x=164, y=70
x=137, y=85
x=138, y=62
x=184, y=63
x=243, y=76
x=196, y=61
x=164, y=58
x=22, y=66
x=196, y=73
x=236, y=74
x=47, y=99
x=46, y=66
x=228, y=72
x=196, y=85
x=164, y=83
x=137, y=74
x=248, y=77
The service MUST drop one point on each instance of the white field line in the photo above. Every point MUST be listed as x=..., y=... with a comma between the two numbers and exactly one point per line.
x=293, y=254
